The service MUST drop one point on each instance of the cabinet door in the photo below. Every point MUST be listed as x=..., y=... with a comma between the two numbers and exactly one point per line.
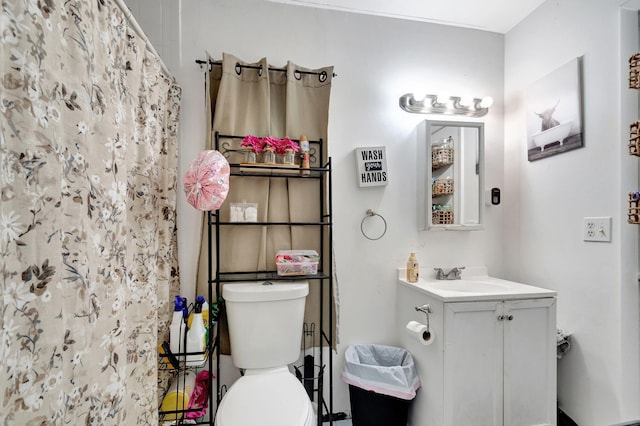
x=530, y=362
x=473, y=338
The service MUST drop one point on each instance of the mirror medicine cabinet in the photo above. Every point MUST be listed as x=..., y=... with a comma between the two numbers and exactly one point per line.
x=450, y=173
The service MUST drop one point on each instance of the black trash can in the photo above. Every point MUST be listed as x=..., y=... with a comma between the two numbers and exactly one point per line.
x=382, y=384
x=369, y=408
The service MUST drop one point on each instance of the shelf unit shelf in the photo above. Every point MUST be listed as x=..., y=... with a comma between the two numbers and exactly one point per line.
x=274, y=223
x=230, y=277
x=270, y=171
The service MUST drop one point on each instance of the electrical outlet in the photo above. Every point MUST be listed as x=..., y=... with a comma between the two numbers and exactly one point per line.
x=597, y=229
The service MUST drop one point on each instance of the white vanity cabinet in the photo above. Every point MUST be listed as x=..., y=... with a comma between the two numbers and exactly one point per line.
x=499, y=363
x=492, y=361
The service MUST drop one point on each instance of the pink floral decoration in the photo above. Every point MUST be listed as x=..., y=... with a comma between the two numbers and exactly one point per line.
x=254, y=142
x=285, y=144
x=269, y=141
x=279, y=145
x=206, y=182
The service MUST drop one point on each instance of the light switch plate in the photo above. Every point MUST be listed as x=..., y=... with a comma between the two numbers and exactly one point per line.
x=597, y=229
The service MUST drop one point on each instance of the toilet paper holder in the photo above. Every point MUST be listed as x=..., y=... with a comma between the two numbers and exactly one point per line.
x=426, y=310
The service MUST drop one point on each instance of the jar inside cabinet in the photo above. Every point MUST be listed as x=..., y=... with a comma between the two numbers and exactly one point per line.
x=442, y=154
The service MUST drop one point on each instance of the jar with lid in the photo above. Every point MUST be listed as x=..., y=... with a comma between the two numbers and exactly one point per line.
x=269, y=155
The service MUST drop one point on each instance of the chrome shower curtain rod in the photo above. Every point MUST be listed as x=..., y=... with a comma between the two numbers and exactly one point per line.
x=257, y=67
x=136, y=27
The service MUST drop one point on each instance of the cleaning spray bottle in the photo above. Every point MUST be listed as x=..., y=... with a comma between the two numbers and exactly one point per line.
x=185, y=310
x=205, y=319
x=205, y=312
x=177, y=329
x=205, y=316
x=196, y=336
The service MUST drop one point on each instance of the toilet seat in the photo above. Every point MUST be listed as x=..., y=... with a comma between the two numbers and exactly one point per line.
x=271, y=397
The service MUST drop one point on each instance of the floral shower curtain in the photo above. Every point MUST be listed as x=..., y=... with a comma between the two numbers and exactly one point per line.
x=257, y=99
x=88, y=164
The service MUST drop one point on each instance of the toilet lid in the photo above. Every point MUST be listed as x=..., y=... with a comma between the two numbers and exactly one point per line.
x=265, y=400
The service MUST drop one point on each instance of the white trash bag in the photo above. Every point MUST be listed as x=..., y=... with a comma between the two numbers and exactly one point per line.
x=386, y=370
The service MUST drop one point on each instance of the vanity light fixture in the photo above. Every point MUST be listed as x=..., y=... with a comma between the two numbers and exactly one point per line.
x=436, y=104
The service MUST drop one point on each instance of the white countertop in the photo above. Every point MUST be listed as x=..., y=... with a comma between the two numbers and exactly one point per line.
x=476, y=288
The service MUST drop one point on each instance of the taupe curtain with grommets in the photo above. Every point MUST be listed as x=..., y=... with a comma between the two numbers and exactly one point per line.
x=252, y=99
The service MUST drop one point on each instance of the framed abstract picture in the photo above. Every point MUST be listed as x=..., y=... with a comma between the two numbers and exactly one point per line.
x=554, y=112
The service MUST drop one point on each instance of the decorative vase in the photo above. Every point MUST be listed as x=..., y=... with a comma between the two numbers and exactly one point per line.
x=250, y=156
x=269, y=155
x=289, y=157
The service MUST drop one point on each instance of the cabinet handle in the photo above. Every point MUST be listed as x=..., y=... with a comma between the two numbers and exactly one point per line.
x=500, y=317
x=510, y=317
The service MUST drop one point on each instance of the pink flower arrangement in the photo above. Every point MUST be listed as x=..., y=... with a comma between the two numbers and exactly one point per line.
x=252, y=142
x=285, y=144
x=270, y=142
x=278, y=145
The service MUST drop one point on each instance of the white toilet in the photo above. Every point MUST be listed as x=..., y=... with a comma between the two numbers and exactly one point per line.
x=265, y=327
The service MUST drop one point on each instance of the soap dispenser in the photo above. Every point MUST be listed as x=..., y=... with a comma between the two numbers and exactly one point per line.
x=412, y=269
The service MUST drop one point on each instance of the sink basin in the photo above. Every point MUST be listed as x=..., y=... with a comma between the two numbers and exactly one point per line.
x=470, y=286
x=478, y=288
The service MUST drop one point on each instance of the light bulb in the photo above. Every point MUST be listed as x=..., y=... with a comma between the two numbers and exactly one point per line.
x=486, y=102
x=419, y=96
x=442, y=98
x=466, y=101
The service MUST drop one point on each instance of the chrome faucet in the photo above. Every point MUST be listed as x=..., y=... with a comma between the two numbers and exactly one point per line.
x=453, y=274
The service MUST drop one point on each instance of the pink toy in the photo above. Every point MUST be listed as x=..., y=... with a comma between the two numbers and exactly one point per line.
x=206, y=182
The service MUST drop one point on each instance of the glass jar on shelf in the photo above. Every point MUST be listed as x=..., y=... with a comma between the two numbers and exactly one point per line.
x=269, y=155
x=289, y=157
x=250, y=156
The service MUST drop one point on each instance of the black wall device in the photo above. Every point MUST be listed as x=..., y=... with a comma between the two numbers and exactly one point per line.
x=495, y=196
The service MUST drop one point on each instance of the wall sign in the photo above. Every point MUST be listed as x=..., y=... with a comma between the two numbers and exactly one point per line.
x=372, y=166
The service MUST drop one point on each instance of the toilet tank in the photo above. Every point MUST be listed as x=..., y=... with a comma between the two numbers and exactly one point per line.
x=265, y=322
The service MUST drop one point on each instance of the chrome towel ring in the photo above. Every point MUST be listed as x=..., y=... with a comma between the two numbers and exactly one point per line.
x=371, y=213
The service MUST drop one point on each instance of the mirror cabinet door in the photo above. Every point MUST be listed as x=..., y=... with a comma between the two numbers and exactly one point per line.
x=450, y=175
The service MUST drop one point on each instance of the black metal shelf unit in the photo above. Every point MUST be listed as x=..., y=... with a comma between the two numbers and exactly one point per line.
x=322, y=174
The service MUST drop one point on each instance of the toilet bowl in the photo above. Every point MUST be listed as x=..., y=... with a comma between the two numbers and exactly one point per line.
x=265, y=327
x=266, y=398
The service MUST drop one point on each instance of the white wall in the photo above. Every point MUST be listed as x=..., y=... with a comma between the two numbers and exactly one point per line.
x=546, y=200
